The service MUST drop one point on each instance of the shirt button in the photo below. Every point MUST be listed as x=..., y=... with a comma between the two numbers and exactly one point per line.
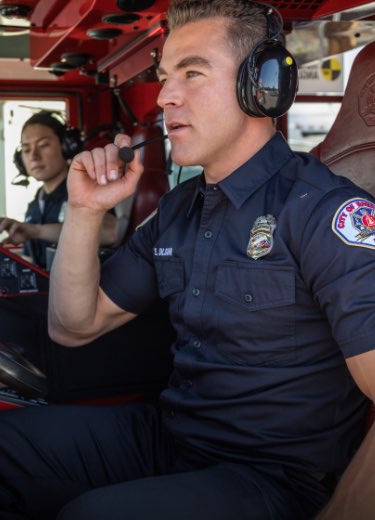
x=208, y=234
x=196, y=292
x=171, y=414
x=189, y=383
x=215, y=188
x=248, y=298
x=197, y=343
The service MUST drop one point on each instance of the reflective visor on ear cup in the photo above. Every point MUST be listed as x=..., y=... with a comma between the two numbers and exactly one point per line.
x=267, y=82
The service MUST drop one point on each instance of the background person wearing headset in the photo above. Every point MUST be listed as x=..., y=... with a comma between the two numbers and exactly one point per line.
x=46, y=149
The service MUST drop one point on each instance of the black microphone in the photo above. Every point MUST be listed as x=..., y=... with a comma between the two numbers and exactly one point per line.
x=126, y=153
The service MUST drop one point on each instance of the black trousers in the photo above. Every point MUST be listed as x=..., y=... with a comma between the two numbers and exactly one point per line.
x=112, y=463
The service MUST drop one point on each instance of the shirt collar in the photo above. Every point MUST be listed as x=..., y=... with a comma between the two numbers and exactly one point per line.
x=244, y=181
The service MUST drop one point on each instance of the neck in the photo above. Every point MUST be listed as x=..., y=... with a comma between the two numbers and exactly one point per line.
x=51, y=184
x=257, y=134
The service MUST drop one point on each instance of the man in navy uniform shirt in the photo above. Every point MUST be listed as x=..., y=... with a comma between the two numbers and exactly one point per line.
x=267, y=262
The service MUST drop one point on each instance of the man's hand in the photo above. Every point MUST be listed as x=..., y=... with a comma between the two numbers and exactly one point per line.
x=99, y=179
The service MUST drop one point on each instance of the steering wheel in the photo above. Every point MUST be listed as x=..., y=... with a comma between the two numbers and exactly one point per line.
x=17, y=373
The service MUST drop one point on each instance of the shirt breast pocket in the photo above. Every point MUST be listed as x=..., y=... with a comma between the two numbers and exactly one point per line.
x=170, y=276
x=257, y=307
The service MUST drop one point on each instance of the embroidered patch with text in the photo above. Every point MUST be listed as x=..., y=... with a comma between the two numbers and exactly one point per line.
x=354, y=223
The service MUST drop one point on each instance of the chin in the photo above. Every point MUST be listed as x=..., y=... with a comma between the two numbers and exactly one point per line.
x=184, y=159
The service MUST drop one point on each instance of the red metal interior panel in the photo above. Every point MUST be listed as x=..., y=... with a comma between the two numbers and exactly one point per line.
x=333, y=6
x=60, y=26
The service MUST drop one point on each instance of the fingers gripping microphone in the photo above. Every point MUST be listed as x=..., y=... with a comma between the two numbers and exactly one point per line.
x=126, y=153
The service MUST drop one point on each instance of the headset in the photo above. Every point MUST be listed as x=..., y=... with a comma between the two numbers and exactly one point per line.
x=70, y=139
x=267, y=80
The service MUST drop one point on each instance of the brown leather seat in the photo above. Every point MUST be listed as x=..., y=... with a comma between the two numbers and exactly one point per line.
x=349, y=147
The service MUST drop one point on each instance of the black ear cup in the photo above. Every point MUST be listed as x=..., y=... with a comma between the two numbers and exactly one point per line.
x=21, y=179
x=71, y=142
x=267, y=80
x=17, y=160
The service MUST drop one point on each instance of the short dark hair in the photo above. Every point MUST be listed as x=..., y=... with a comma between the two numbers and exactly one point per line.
x=49, y=119
x=246, y=20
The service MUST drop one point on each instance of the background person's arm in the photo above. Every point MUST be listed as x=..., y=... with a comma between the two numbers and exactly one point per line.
x=20, y=232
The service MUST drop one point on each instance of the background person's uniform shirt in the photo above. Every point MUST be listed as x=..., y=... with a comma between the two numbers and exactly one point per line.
x=259, y=371
x=45, y=208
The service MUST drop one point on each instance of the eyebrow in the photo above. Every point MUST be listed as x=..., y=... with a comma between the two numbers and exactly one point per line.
x=27, y=143
x=187, y=62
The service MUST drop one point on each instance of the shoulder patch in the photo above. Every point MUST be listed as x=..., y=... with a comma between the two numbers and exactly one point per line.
x=354, y=223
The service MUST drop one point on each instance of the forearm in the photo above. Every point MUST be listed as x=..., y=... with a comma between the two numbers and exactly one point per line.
x=354, y=497
x=20, y=232
x=47, y=232
x=74, y=278
x=78, y=310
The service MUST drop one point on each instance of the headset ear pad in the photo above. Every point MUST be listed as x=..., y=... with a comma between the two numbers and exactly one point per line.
x=17, y=160
x=71, y=143
x=267, y=81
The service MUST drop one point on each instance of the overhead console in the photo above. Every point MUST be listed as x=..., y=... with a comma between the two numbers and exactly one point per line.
x=111, y=41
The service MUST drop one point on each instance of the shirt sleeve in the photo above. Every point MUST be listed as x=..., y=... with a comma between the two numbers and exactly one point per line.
x=340, y=269
x=128, y=277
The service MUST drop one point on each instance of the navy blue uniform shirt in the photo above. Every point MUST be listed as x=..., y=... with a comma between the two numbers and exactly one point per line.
x=259, y=369
x=45, y=208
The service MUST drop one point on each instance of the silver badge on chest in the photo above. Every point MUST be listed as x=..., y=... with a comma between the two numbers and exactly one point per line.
x=261, y=237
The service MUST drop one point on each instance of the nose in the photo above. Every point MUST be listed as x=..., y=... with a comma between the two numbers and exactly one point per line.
x=170, y=95
x=34, y=152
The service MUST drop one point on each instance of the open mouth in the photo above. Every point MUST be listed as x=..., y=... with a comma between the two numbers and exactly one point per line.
x=174, y=127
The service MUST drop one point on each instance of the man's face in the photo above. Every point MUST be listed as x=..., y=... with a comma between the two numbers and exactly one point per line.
x=198, y=75
x=41, y=153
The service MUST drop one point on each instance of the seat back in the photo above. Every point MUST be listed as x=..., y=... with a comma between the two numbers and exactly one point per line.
x=349, y=147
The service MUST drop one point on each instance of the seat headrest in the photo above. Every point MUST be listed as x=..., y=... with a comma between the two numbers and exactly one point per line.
x=349, y=147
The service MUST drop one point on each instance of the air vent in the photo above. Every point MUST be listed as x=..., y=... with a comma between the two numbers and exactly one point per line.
x=121, y=18
x=75, y=59
x=59, y=69
x=103, y=34
x=14, y=10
